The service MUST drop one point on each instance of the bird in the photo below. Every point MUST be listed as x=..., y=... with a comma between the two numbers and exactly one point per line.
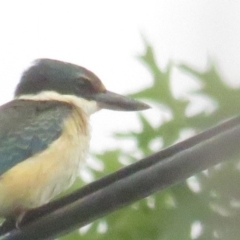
x=45, y=132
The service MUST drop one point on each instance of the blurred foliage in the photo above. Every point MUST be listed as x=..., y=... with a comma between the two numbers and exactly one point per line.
x=206, y=206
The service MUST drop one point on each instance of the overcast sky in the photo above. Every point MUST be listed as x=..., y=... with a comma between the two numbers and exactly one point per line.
x=105, y=36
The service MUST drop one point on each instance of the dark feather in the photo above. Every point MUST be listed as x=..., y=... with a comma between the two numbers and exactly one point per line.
x=28, y=127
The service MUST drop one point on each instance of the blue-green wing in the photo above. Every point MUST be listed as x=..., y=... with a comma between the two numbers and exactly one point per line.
x=28, y=127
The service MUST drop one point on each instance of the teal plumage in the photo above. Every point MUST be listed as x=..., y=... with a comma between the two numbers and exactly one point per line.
x=27, y=128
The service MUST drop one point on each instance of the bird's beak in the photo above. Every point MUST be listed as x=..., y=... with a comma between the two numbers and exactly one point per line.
x=114, y=101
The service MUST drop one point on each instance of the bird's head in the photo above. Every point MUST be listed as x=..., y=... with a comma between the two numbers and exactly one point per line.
x=66, y=79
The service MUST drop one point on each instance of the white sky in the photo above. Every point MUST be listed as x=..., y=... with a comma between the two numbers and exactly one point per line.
x=105, y=36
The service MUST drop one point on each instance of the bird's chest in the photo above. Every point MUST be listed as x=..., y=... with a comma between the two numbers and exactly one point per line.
x=59, y=165
x=38, y=179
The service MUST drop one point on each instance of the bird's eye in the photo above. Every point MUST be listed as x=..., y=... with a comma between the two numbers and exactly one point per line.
x=84, y=85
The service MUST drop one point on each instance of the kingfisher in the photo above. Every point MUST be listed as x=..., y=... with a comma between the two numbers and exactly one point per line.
x=44, y=132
